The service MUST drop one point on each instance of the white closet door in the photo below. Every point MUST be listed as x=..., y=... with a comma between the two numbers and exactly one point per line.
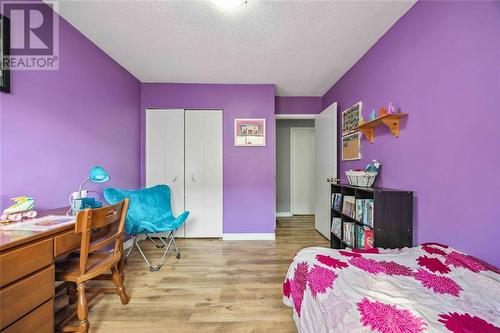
x=165, y=154
x=203, y=146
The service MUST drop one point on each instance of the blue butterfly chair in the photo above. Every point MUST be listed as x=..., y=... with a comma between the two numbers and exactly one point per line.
x=149, y=212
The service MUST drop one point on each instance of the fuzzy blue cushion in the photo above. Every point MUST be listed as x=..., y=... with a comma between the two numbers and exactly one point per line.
x=149, y=209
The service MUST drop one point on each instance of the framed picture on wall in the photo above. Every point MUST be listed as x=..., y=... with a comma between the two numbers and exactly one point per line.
x=350, y=118
x=250, y=132
x=4, y=54
x=351, y=146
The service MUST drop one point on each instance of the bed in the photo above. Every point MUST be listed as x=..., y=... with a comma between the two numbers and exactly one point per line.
x=428, y=288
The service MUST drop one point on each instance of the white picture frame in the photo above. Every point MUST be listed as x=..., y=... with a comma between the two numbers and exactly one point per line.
x=250, y=132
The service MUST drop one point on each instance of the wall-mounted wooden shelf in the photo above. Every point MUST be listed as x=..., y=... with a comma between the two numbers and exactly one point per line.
x=391, y=120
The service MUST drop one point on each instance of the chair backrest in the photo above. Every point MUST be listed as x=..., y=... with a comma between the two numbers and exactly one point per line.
x=89, y=220
x=145, y=203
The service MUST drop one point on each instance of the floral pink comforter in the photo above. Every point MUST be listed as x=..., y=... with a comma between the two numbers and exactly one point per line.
x=429, y=288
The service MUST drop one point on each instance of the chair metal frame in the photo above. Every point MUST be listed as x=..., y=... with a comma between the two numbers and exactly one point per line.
x=166, y=241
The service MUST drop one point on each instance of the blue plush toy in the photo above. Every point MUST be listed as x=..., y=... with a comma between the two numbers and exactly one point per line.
x=373, y=167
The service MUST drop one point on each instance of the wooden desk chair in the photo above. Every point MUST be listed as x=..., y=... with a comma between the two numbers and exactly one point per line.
x=92, y=263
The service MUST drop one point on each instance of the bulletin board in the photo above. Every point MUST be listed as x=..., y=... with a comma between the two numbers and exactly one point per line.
x=351, y=147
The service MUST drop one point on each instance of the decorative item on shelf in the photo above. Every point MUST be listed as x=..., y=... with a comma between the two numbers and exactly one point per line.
x=79, y=200
x=373, y=167
x=373, y=115
x=364, y=178
x=391, y=108
x=382, y=111
x=22, y=208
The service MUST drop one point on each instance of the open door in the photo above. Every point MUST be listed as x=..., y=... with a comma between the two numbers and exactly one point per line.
x=326, y=165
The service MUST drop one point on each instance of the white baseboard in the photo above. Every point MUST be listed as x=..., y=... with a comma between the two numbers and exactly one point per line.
x=284, y=214
x=249, y=236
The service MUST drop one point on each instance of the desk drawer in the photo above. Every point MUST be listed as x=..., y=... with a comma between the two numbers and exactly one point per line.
x=66, y=242
x=21, y=297
x=40, y=320
x=25, y=260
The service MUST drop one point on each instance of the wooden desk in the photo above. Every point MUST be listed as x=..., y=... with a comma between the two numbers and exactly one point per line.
x=27, y=275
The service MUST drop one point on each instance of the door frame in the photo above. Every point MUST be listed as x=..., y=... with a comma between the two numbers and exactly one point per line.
x=287, y=116
x=292, y=153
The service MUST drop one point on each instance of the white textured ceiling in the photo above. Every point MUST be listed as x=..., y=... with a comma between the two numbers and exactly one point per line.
x=303, y=47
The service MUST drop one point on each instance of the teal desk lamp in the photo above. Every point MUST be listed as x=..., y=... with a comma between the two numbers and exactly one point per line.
x=79, y=200
x=97, y=175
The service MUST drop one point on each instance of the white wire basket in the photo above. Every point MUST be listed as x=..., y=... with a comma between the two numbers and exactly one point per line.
x=361, y=178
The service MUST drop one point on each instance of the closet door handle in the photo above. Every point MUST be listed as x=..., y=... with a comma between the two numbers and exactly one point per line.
x=174, y=180
x=192, y=178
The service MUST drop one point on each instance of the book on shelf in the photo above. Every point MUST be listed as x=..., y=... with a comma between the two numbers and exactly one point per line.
x=337, y=226
x=349, y=206
x=369, y=239
x=337, y=201
x=360, y=237
x=359, y=209
x=364, y=237
x=368, y=212
x=364, y=211
x=349, y=236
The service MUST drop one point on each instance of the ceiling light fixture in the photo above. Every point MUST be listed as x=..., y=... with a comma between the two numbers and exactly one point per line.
x=228, y=4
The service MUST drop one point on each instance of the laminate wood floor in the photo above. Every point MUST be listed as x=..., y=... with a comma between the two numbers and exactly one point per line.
x=217, y=286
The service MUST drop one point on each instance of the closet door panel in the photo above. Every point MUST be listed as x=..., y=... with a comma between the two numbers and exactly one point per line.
x=213, y=173
x=165, y=154
x=204, y=173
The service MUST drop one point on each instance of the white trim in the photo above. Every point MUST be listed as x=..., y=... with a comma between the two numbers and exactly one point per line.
x=249, y=236
x=295, y=116
x=284, y=214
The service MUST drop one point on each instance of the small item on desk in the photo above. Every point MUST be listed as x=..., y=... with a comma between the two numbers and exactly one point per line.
x=40, y=224
x=373, y=115
x=382, y=112
x=22, y=208
x=79, y=200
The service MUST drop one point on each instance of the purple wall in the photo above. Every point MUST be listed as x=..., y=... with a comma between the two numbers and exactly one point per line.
x=249, y=172
x=298, y=105
x=440, y=63
x=57, y=124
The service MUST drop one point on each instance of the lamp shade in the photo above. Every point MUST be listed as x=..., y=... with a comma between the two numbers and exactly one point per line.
x=98, y=175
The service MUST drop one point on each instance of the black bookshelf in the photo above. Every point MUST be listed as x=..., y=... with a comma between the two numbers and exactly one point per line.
x=392, y=216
